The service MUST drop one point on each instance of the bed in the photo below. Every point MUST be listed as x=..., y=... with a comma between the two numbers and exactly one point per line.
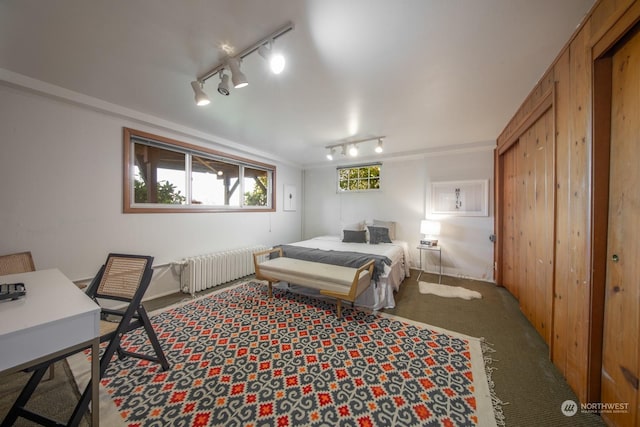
x=380, y=294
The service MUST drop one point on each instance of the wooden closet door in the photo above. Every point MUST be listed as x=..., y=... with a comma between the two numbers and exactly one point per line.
x=509, y=231
x=621, y=360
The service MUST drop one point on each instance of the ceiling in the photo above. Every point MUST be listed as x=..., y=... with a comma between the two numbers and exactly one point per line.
x=430, y=75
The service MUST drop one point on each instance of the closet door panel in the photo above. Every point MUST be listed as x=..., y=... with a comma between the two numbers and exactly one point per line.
x=621, y=360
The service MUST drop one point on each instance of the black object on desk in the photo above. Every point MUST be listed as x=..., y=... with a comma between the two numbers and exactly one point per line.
x=12, y=291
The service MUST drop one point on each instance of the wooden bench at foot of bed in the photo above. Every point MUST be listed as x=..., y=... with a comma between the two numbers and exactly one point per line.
x=342, y=283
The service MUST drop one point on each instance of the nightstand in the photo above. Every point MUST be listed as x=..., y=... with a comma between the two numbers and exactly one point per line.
x=438, y=249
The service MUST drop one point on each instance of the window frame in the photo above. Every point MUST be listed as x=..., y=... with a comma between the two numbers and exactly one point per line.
x=132, y=136
x=358, y=166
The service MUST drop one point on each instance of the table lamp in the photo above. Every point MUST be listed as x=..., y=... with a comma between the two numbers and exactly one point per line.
x=430, y=230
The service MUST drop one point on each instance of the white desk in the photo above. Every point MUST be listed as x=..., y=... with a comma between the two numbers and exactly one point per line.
x=53, y=318
x=438, y=249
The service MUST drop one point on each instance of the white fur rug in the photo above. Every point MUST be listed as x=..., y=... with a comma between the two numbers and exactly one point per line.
x=448, y=291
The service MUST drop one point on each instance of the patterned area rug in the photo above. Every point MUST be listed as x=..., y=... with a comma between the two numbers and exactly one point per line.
x=240, y=359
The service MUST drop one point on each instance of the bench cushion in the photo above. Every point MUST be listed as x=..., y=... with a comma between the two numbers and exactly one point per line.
x=315, y=275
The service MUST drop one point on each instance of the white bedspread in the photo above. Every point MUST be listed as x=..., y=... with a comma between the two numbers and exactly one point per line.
x=376, y=296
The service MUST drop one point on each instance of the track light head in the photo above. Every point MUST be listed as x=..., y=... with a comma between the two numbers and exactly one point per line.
x=353, y=151
x=344, y=150
x=264, y=51
x=201, y=98
x=276, y=60
x=237, y=77
x=277, y=63
x=330, y=153
x=223, y=86
x=378, y=148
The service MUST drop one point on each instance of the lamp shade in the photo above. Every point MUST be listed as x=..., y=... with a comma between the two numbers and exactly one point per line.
x=430, y=228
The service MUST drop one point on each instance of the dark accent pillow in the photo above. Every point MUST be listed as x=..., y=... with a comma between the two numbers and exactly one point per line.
x=378, y=235
x=352, y=236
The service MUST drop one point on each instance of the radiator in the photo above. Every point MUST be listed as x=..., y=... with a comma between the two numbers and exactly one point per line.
x=209, y=270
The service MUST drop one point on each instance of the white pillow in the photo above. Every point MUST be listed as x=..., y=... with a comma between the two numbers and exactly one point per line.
x=391, y=225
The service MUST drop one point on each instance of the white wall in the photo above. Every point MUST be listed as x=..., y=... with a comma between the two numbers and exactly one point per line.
x=405, y=198
x=466, y=248
x=401, y=199
x=61, y=193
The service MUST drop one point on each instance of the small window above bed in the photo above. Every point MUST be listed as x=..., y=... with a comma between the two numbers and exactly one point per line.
x=359, y=178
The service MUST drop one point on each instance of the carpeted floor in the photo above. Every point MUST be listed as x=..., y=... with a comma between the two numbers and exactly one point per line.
x=525, y=379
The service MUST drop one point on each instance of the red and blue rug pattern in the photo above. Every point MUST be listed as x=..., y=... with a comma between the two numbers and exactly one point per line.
x=241, y=359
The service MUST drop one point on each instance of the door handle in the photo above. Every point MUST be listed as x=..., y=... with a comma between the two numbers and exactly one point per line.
x=615, y=258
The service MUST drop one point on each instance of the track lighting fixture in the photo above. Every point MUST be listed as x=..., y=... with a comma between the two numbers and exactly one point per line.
x=276, y=60
x=353, y=147
x=223, y=87
x=232, y=64
x=201, y=97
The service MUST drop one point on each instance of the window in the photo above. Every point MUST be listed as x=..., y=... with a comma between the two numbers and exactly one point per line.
x=163, y=175
x=359, y=178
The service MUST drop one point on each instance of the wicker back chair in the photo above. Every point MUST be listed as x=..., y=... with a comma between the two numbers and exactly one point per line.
x=20, y=262
x=122, y=278
x=125, y=278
